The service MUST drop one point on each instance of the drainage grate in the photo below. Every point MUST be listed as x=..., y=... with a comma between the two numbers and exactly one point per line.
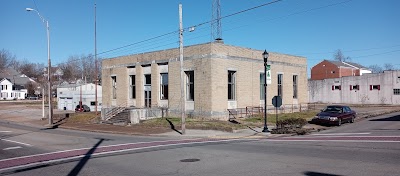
x=190, y=160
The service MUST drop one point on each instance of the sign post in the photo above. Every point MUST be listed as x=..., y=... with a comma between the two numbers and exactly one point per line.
x=277, y=102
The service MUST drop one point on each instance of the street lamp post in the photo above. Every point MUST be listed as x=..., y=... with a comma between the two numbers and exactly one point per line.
x=265, y=56
x=49, y=64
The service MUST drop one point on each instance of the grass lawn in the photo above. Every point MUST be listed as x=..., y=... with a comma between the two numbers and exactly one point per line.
x=242, y=123
x=199, y=123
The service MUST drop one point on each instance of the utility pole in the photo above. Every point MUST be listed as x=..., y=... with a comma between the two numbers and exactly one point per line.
x=182, y=76
x=43, y=97
x=95, y=61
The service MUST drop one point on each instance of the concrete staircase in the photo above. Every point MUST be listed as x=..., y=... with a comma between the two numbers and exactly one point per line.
x=122, y=118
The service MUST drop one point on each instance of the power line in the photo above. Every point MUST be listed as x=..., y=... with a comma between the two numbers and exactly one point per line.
x=185, y=29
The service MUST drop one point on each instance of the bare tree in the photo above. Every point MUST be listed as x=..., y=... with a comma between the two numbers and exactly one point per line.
x=5, y=58
x=338, y=56
x=389, y=66
x=14, y=63
x=80, y=67
x=32, y=70
x=376, y=68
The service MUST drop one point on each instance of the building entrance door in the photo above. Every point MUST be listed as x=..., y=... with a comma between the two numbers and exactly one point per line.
x=147, y=99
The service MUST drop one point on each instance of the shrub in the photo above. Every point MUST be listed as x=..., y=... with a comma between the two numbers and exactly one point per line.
x=291, y=123
x=298, y=131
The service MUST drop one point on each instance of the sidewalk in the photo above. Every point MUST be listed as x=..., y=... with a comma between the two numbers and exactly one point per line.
x=32, y=116
x=140, y=131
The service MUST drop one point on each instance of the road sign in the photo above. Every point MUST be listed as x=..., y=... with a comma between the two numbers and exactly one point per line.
x=277, y=101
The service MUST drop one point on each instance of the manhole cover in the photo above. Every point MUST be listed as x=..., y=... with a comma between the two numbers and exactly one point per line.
x=190, y=160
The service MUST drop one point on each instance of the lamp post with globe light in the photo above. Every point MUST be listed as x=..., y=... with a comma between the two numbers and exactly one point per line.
x=265, y=56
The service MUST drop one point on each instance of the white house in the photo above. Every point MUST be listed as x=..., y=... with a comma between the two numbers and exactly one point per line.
x=69, y=96
x=9, y=91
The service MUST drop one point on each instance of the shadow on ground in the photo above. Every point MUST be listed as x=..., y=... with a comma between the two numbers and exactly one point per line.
x=173, y=126
x=393, y=118
x=310, y=173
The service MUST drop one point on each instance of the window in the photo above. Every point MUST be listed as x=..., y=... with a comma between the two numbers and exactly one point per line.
x=92, y=103
x=280, y=81
x=114, y=87
x=2, y=87
x=147, y=80
x=347, y=109
x=262, y=86
x=189, y=85
x=354, y=87
x=164, y=86
x=295, y=86
x=336, y=87
x=396, y=91
x=231, y=85
x=132, y=85
x=374, y=87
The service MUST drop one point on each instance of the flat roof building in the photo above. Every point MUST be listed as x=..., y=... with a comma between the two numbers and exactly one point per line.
x=217, y=77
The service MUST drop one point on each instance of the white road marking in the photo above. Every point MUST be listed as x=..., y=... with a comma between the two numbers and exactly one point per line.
x=5, y=131
x=111, y=152
x=338, y=134
x=16, y=142
x=12, y=148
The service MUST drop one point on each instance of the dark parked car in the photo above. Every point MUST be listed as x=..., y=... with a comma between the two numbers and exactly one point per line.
x=335, y=115
x=84, y=108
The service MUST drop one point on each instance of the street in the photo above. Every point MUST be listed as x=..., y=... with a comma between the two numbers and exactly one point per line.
x=367, y=147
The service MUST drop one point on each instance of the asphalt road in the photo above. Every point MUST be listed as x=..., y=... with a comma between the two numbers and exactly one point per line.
x=368, y=147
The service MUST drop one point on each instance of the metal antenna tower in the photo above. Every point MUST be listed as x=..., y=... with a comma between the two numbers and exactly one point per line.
x=216, y=32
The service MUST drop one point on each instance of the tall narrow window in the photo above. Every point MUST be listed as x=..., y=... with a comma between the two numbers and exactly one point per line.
x=280, y=81
x=132, y=85
x=164, y=86
x=114, y=87
x=147, y=80
x=295, y=86
x=189, y=85
x=262, y=86
x=231, y=85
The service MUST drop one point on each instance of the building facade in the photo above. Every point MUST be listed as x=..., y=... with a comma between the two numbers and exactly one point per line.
x=69, y=96
x=376, y=88
x=217, y=77
x=9, y=91
x=336, y=69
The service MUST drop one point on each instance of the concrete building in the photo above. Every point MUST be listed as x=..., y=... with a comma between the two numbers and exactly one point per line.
x=336, y=69
x=377, y=88
x=217, y=77
x=69, y=95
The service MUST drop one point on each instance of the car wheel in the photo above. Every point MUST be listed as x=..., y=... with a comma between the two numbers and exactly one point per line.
x=352, y=119
x=339, y=122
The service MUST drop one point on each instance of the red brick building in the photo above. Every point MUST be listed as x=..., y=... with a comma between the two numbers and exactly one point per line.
x=336, y=69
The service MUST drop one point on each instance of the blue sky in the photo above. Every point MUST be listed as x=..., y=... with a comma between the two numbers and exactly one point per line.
x=365, y=30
